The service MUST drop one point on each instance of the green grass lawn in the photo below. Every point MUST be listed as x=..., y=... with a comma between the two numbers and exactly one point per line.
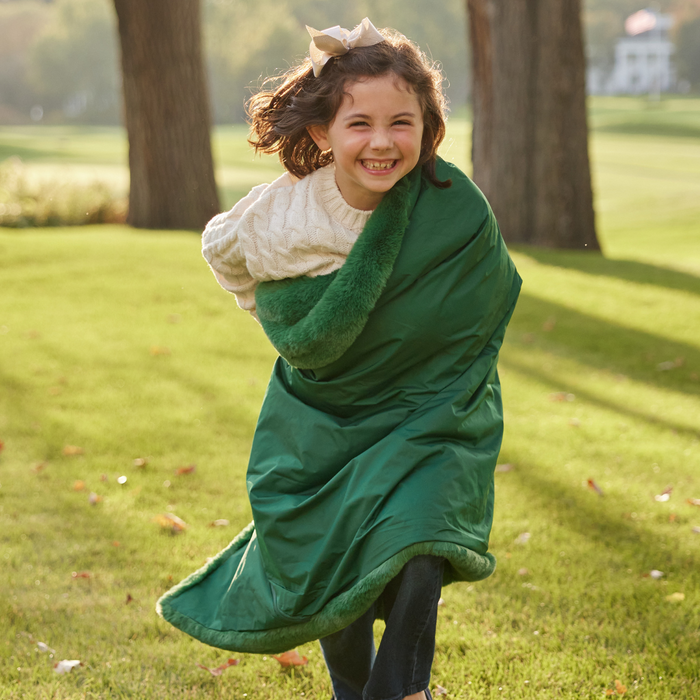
x=120, y=342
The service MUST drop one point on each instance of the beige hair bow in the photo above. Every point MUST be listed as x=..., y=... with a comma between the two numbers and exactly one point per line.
x=336, y=41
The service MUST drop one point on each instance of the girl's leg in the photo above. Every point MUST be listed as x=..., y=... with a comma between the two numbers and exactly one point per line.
x=349, y=656
x=405, y=657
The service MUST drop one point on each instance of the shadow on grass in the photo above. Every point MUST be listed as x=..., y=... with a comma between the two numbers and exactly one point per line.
x=650, y=128
x=629, y=270
x=606, y=346
x=600, y=520
x=597, y=400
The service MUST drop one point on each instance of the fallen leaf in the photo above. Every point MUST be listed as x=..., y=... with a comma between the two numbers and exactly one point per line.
x=504, y=468
x=185, y=470
x=115, y=544
x=140, y=462
x=696, y=530
x=522, y=538
x=439, y=690
x=694, y=501
x=664, y=495
x=523, y=572
x=78, y=485
x=222, y=522
x=656, y=574
x=2, y=445
x=128, y=598
x=72, y=450
x=65, y=666
x=549, y=324
x=609, y=692
x=562, y=396
x=169, y=521
x=592, y=485
x=291, y=658
x=81, y=574
x=619, y=688
x=220, y=669
x=675, y=597
x=39, y=467
x=529, y=338
x=43, y=648
x=441, y=602
x=672, y=517
x=159, y=350
x=103, y=477
x=574, y=422
x=94, y=499
x=670, y=364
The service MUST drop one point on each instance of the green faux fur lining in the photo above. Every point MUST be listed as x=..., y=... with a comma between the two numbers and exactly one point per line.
x=312, y=321
x=464, y=564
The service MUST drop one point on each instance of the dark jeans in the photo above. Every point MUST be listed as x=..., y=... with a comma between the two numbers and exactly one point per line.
x=402, y=665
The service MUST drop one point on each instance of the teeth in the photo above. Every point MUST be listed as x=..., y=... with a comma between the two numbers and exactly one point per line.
x=378, y=166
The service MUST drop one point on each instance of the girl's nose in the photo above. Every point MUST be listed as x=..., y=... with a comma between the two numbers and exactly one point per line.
x=381, y=139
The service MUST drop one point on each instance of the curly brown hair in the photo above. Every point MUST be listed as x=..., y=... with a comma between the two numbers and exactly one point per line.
x=289, y=103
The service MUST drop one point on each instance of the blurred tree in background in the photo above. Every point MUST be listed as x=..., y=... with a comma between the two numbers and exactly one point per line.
x=530, y=136
x=688, y=52
x=166, y=108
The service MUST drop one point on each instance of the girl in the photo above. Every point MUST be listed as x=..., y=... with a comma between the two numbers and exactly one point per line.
x=378, y=272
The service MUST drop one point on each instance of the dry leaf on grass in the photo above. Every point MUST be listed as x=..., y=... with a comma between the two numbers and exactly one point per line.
x=439, y=690
x=2, y=445
x=159, y=350
x=291, y=658
x=65, y=666
x=504, y=468
x=220, y=669
x=221, y=522
x=696, y=530
x=522, y=538
x=656, y=574
x=121, y=480
x=619, y=688
x=189, y=469
x=694, y=501
x=592, y=485
x=664, y=495
x=549, y=324
x=81, y=574
x=169, y=521
x=441, y=602
x=94, y=499
x=562, y=396
x=43, y=648
x=140, y=462
x=129, y=598
x=523, y=572
x=670, y=364
x=72, y=450
x=676, y=597
x=79, y=485
x=39, y=467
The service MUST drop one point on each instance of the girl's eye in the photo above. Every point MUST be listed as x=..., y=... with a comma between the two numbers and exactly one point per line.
x=402, y=122
x=358, y=124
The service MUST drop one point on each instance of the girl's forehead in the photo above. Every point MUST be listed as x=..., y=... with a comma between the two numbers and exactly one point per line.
x=380, y=91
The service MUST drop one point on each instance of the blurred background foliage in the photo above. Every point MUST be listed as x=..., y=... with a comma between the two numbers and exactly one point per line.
x=59, y=60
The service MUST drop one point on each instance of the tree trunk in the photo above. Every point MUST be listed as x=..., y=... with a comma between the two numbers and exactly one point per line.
x=167, y=114
x=530, y=134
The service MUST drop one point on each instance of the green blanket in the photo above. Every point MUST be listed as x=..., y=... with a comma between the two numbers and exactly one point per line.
x=380, y=429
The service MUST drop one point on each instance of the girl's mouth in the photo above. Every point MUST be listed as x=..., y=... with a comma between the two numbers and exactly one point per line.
x=379, y=165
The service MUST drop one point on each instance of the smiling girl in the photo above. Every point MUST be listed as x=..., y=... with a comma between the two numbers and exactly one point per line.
x=378, y=273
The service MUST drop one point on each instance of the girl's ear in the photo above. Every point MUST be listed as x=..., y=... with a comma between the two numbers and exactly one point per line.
x=319, y=134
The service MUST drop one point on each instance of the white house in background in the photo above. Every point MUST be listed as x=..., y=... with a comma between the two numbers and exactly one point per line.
x=643, y=60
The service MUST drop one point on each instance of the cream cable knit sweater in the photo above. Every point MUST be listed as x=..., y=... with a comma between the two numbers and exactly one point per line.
x=286, y=229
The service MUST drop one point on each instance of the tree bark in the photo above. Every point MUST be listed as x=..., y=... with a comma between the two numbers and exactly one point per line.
x=167, y=114
x=530, y=132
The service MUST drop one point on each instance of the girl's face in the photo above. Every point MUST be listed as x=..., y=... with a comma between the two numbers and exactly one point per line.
x=375, y=138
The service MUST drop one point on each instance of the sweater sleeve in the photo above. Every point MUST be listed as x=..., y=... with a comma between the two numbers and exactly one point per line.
x=221, y=246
